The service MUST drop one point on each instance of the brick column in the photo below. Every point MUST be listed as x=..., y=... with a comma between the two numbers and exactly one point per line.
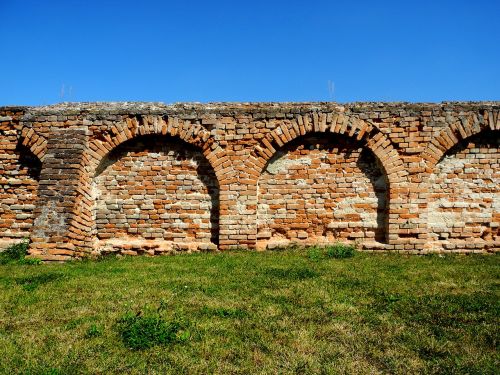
x=238, y=206
x=56, y=234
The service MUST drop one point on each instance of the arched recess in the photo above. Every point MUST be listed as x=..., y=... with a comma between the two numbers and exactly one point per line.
x=363, y=147
x=463, y=210
x=135, y=126
x=322, y=188
x=37, y=144
x=155, y=193
x=468, y=125
x=18, y=193
x=335, y=123
x=159, y=143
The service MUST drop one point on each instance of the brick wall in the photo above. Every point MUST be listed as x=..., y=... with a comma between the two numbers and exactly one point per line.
x=464, y=204
x=88, y=178
x=19, y=175
x=159, y=190
x=321, y=189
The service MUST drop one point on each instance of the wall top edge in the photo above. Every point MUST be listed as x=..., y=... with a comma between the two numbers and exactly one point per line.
x=79, y=108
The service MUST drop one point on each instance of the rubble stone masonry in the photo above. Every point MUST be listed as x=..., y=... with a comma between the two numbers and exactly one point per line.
x=82, y=179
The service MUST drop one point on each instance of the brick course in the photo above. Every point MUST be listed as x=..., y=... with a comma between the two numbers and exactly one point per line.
x=88, y=178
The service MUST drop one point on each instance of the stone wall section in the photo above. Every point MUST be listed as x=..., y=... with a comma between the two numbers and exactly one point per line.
x=154, y=178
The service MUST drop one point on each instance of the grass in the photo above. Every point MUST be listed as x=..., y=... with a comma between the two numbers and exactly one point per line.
x=16, y=253
x=288, y=312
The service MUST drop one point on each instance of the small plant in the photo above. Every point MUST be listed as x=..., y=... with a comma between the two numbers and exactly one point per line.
x=31, y=261
x=315, y=254
x=15, y=252
x=336, y=251
x=93, y=331
x=140, y=332
x=340, y=251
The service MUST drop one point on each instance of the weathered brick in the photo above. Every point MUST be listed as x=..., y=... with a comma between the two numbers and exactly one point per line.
x=410, y=178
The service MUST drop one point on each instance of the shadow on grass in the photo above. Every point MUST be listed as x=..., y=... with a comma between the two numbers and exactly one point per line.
x=292, y=273
x=32, y=282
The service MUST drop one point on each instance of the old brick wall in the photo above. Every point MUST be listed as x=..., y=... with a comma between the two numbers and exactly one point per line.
x=154, y=178
x=322, y=189
x=19, y=175
x=156, y=189
x=464, y=204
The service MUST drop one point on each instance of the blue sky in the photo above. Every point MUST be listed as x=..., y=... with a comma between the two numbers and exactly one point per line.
x=173, y=51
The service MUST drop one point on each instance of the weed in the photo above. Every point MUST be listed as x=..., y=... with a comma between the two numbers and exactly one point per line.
x=140, y=332
x=93, y=331
x=15, y=252
x=30, y=261
x=340, y=251
x=336, y=251
x=224, y=312
x=315, y=254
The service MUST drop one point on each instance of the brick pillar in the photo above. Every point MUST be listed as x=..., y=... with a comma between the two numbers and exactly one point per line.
x=407, y=227
x=56, y=234
x=238, y=206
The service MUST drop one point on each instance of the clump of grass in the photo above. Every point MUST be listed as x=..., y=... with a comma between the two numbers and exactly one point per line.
x=223, y=312
x=141, y=331
x=335, y=251
x=17, y=253
x=315, y=254
x=93, y=331
x=340, y=251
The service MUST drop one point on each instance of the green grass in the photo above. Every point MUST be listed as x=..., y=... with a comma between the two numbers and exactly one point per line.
x=282, y=312
x=16, y=253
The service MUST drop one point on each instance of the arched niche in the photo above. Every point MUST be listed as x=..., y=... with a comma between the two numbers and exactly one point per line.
x=155, y=193
x=322, y=188
x=20, y=170
x=464, y=193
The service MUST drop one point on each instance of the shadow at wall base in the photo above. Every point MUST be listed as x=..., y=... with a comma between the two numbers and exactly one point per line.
x=53, y=253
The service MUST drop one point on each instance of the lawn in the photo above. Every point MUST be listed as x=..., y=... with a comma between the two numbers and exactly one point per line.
x=295, y=311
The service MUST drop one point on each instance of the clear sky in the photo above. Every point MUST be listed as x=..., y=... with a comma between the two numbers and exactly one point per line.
x=172, y=51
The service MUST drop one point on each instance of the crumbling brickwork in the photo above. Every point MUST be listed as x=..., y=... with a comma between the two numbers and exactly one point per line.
x=464, y=200
x=146, y=178
x=19, y=174
x=159, y=190
x=322, y=190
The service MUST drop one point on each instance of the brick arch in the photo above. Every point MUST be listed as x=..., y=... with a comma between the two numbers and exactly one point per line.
x=338, y=123
x=159, y=168
x=457, y=132
x=462, y=186
x=137, y=126
x=332, y=123
x=36, y=143
x=467, y=126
